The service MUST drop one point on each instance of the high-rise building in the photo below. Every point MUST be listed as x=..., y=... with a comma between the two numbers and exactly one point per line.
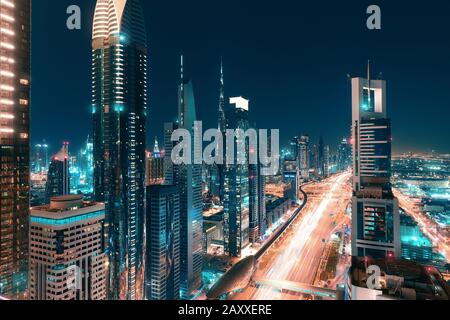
x=375, y=221
x=188, y=178
x=162, y=275
x=119, y=102
x=257, y=203
x=219, y=169
x=67, y=256
x=315, y=160
x=326, y=161
x=236, y=187
x=304, y=156
x=15, y=38
x=85, y=169
x=40, y=160
x=155, y=166
x=58, y=177
x=344, y=155
x=321, y=157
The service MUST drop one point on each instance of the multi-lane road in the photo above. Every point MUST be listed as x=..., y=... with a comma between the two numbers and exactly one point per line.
x=428, y=226
x=296, y=257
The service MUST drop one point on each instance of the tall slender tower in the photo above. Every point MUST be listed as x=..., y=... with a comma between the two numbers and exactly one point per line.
x=119, y=102
x=222, y=118
x=15, y=41
x=189, y=179
x=304, y=156
x=375, y=221
x=237, y=188
x=222, y=127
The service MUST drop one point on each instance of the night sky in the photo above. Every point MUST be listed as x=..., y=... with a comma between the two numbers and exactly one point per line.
x=290, y=58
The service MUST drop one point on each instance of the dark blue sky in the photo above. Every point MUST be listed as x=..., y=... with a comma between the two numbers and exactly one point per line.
x=290, y=58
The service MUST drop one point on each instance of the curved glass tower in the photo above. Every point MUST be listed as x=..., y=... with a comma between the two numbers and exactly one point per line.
x=119, y=103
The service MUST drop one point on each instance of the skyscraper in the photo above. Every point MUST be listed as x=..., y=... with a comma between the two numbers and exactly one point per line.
x=188, y=177
x=304, y=156
x=40, y=161
x=375, y=221
x=257, y=203
x=326, y=161
x=220, y=168
x=162, y=280
x=344, y=155
x=58, y=178
x=15, y=38
x=119, y=102
x=321, y=157
x=154, y=166
x=67, y=255
x=236, y=188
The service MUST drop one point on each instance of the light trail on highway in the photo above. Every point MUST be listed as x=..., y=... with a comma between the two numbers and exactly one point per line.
x=299, y=258
x=427, y=225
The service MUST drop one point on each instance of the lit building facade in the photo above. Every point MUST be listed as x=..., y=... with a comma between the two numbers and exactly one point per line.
x=15, y=45
x=188, y=178
x=67, y=256
x=375, y=221
x=119, y=102
x=162, y=280
x=155, y=166
x=344, y=155
x=40, y=160
x=58, y=177
x=304, y=156
x=237, y=190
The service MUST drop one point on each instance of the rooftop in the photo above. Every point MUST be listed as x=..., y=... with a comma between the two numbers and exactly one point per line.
x=402, y=279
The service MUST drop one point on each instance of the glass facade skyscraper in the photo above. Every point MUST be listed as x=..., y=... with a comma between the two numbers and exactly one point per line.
x=162, y=280
x=15, y=45
x=375, y=220
x=189, y=180
x=119, y=103
x=58, y=178
x=237, y=191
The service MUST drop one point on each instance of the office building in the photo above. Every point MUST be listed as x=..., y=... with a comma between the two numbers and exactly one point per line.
x=40, y=159
x=304, y=156
x=119, y=107
x=188, y=178
x=67, y=256
x=58, y=177
x=326, y=162
x=375, y=220
x=15, y=80
x=344, y=155
x=236, y=187
x=155, y=166
x=162, y=275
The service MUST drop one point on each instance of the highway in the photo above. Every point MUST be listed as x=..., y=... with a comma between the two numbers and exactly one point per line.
x=297, y=255
x=426, y=224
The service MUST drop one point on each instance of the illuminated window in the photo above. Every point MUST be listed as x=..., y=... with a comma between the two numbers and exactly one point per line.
x=24, y=82
x=23, y=102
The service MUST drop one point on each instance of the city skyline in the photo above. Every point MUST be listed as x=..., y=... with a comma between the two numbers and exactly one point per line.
x=130, y=208
x=296, y=66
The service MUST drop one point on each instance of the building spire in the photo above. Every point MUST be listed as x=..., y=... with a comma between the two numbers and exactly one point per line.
x=222, y=125
x=182, y=68
x=156, y=149
x=368, y=85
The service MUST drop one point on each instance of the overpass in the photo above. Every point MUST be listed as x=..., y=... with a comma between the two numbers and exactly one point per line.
x=296, y=287
x=265, y=248
x=239, y=276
